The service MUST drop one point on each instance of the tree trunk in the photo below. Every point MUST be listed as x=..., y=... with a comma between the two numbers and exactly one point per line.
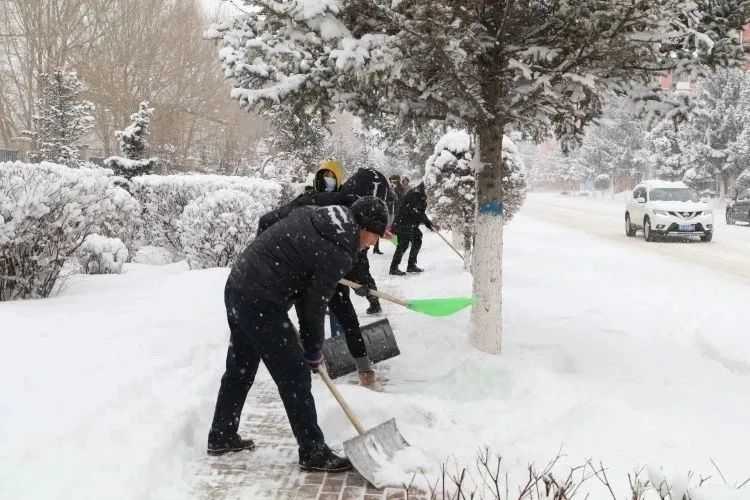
x=486, y=318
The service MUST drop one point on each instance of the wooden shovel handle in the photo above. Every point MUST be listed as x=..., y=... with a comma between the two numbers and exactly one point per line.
x=336, y=394
x=450, y=245
x=376, y=293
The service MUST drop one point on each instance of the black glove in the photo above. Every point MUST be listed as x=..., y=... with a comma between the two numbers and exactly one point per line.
x=362, y=291
x=313, y=360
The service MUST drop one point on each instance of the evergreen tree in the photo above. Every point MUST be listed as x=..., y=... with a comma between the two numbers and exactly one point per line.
x=134, y=144
x=133, y=140
x=63, y=118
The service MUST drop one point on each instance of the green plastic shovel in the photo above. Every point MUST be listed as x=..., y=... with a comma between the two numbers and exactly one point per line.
x=431, y=307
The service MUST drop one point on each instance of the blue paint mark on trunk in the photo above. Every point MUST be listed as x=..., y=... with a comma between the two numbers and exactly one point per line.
x=494, y=207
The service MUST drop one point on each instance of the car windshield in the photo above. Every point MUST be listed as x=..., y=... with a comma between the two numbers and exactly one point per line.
x=673, y=194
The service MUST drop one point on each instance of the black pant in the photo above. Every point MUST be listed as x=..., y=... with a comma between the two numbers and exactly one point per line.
x=406, y=237
x=342, y=309
x=262, y=330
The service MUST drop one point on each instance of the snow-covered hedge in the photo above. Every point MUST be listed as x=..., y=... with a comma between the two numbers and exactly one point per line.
x=46, y=213
x=216, y=227
x=164, y=199
x=101, y=255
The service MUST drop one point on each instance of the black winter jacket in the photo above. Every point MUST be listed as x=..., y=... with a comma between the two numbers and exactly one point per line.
x=300, y=258
x=412, y=211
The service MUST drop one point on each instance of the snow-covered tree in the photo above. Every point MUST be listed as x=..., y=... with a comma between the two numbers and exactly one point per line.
x=63, y=118
x=134, y=144
x=134, y=138
x=541, y=67
x=614, y=144
x=666, y=160
x=450, y=181
x=711, y=140
x=450, y=184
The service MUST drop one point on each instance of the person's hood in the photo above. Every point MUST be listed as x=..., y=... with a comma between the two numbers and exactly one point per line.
x=334, y=166
x=367, y=182
x=336, y=224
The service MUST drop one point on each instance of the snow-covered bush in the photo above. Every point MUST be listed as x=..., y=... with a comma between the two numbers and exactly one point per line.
x=101, y=255
x=602, y=182
x=216, y=227
x=450, y=185
x=46, y=213
x=164, y=199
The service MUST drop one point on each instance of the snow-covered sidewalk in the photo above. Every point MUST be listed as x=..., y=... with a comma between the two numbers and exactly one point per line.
x=612, y=353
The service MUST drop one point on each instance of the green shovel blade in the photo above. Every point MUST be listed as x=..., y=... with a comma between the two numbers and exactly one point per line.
x=440, y=307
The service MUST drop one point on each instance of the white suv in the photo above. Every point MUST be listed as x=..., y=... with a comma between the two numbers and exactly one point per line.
x=663, y=208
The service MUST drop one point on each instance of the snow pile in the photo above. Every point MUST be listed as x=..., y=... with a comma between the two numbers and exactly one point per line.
x=216, y=227
x=101, y=255
x=164, y=199
x=155, y=256
x=46, y=213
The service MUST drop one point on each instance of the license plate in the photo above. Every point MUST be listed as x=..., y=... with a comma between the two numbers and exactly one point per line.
x=687, y=228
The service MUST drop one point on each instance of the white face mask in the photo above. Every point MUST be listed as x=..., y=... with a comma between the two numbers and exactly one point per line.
x=330, y=184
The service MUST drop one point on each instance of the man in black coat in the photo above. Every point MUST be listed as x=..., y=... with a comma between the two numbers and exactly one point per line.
x=364, y=182
x=411, y=213
x=298, y=260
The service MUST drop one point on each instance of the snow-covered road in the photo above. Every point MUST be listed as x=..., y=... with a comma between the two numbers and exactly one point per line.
x=729, y=252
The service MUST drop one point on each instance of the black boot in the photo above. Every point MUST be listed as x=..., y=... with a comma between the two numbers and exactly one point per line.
x=374, y=307
x=397, y=272
x=220, y=446
x=323, y=460
x=414, y=269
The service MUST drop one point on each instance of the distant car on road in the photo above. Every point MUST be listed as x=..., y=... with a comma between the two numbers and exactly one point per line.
x=662, y=208
x=738, y=209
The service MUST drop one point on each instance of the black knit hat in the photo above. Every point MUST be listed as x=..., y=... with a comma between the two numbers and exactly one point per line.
x=371, y=214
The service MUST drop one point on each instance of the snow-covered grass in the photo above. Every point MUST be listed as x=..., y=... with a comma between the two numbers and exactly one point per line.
x=612, y=352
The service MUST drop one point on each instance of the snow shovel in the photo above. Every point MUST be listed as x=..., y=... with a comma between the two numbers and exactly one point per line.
x=431, y=307
x=379, y=342
x=372, y=449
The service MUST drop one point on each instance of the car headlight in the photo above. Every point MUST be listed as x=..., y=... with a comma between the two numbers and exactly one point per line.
x=707, y=212
x=661, y=212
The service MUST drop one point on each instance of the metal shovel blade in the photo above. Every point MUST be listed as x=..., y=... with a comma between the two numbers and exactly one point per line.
x=380, y=343
x=371, y=451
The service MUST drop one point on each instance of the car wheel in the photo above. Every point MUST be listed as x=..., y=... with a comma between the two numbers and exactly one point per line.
x=629, y=228
x=730, y=219
x=707, y=236
x=648, y=235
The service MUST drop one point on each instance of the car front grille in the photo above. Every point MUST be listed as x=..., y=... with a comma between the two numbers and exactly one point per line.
x=686, y=215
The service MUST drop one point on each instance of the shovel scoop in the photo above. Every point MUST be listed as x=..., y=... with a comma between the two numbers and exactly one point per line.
x=373, y=449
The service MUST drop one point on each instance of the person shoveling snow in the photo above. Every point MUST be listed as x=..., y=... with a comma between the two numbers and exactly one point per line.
x=300, y=259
